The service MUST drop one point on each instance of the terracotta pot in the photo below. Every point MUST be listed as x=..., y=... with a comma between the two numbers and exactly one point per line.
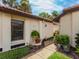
x=37, y=40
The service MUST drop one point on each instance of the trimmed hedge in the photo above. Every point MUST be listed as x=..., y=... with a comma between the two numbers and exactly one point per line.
x=15, y=54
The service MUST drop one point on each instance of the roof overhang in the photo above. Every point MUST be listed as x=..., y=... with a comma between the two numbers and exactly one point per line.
x=21, y=13
x=67, y=11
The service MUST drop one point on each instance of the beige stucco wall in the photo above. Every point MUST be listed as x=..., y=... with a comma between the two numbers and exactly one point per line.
x=66, y=26
x=29, y=25
x=34, y=24
x=5, y=31
x=0, y=31
x=69, y=24
x=45, y=32
x=48, y=29
x=75, y=25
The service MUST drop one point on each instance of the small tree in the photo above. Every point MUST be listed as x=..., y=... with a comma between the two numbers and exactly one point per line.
x=25, y=6
x=55, y=14
x=11, y=3
x=46, y=15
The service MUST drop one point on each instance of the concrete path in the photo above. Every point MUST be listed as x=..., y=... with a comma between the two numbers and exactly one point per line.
x=43, y=53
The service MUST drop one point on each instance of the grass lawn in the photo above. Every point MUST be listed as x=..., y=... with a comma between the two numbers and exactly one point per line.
x=15, y=53
x=58, y=55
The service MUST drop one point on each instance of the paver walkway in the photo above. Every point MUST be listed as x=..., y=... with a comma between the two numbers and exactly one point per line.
x=43, y=53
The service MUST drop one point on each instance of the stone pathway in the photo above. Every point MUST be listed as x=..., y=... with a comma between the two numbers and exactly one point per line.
x=43, y=53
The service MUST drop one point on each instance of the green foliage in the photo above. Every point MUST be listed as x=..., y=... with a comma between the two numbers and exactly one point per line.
x=77, y=40
x=25, y=6
x=15, y=54
x=58, y=39
x=12, y=3
x=58, y=55
x=51, y=16
x=46, y=15
x=56, y=33
x=77, y=50
x=62, y=39
x=55, y=13
x=35, y=33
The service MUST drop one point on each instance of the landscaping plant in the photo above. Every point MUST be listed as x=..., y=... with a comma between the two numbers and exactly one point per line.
x=77, y=40
x=56, y=33
x=77, y=51
x=77, y=43
x=35, y=36
x=55, y=36
x=63, y=40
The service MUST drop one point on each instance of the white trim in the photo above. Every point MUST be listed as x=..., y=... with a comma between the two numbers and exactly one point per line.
x=17, y=42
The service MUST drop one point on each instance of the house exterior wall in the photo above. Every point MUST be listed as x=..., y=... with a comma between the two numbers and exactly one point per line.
x=5, y=31
x=30, y=25
x=69, y=24
x=48, y=29
x=66, y=26
x=75, y=25
x=45, y=29
x=0, y=30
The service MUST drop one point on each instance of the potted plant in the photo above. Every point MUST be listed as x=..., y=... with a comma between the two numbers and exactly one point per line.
x=35, y=36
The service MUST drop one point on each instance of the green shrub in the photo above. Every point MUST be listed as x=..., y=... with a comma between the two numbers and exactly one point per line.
x=35, y=33
x=56, y=33
x=58, y=55
x=57, y=39
x=77, y=40
x=77, y=51
x=62, y=39
x=15, y=54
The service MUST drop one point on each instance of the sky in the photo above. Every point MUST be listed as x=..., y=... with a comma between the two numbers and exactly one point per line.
x=39, y=6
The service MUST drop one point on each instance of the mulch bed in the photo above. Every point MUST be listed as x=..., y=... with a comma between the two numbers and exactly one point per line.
x=71, y=54
x=36, y=48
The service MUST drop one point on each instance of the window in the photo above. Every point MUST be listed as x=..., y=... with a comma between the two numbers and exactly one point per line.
x=17, y=30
